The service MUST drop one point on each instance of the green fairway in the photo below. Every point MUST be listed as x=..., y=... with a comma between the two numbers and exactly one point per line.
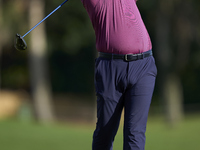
x=184, y=136
x=16, y=135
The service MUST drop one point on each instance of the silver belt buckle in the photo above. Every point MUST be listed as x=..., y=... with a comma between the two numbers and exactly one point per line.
x=138, y=56
x=126, y=57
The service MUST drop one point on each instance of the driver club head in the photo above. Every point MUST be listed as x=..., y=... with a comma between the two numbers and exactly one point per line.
x=20, y=43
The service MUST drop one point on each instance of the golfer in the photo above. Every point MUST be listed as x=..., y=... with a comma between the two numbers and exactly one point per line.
x=125, y=72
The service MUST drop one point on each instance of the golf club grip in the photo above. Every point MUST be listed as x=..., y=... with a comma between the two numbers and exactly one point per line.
x=44, y=18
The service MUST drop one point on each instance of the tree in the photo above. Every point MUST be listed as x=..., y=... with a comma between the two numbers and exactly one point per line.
x=171, y=87
x=38, y=64
x=1, y=22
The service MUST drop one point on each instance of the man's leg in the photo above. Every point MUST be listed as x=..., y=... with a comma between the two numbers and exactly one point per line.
x=109, y=115
x=137, y=103
x=109, y=78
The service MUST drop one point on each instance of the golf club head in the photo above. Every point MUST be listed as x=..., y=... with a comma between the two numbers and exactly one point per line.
x=20, y=43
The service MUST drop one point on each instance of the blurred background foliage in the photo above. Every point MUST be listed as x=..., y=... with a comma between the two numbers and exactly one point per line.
x=71, y=47
x=173, y=25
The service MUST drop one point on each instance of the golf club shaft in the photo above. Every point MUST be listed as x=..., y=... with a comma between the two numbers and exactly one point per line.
x=44, y=18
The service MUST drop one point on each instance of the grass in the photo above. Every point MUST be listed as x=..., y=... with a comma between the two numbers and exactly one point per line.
x=16, y=135
x=30, y=136
x=184, y=136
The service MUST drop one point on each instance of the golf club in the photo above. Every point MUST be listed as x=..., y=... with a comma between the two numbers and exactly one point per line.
x=20, y=43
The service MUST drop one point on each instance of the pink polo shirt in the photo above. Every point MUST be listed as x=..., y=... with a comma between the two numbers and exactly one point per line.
x=118, y=26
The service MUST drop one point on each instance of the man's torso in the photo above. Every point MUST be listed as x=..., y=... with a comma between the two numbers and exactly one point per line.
x=118, y=26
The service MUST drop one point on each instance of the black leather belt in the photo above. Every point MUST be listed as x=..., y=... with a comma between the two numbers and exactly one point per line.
x=127, y=57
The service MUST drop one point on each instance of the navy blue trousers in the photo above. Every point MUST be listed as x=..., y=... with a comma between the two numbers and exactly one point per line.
x=129, y=85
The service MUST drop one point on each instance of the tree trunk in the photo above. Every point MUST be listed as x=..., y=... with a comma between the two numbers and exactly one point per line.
x=170, y=86
x=1, y=24
x=173, y=93
x=38, y=64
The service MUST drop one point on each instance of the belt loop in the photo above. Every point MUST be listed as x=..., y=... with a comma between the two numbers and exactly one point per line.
x=140, y=56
